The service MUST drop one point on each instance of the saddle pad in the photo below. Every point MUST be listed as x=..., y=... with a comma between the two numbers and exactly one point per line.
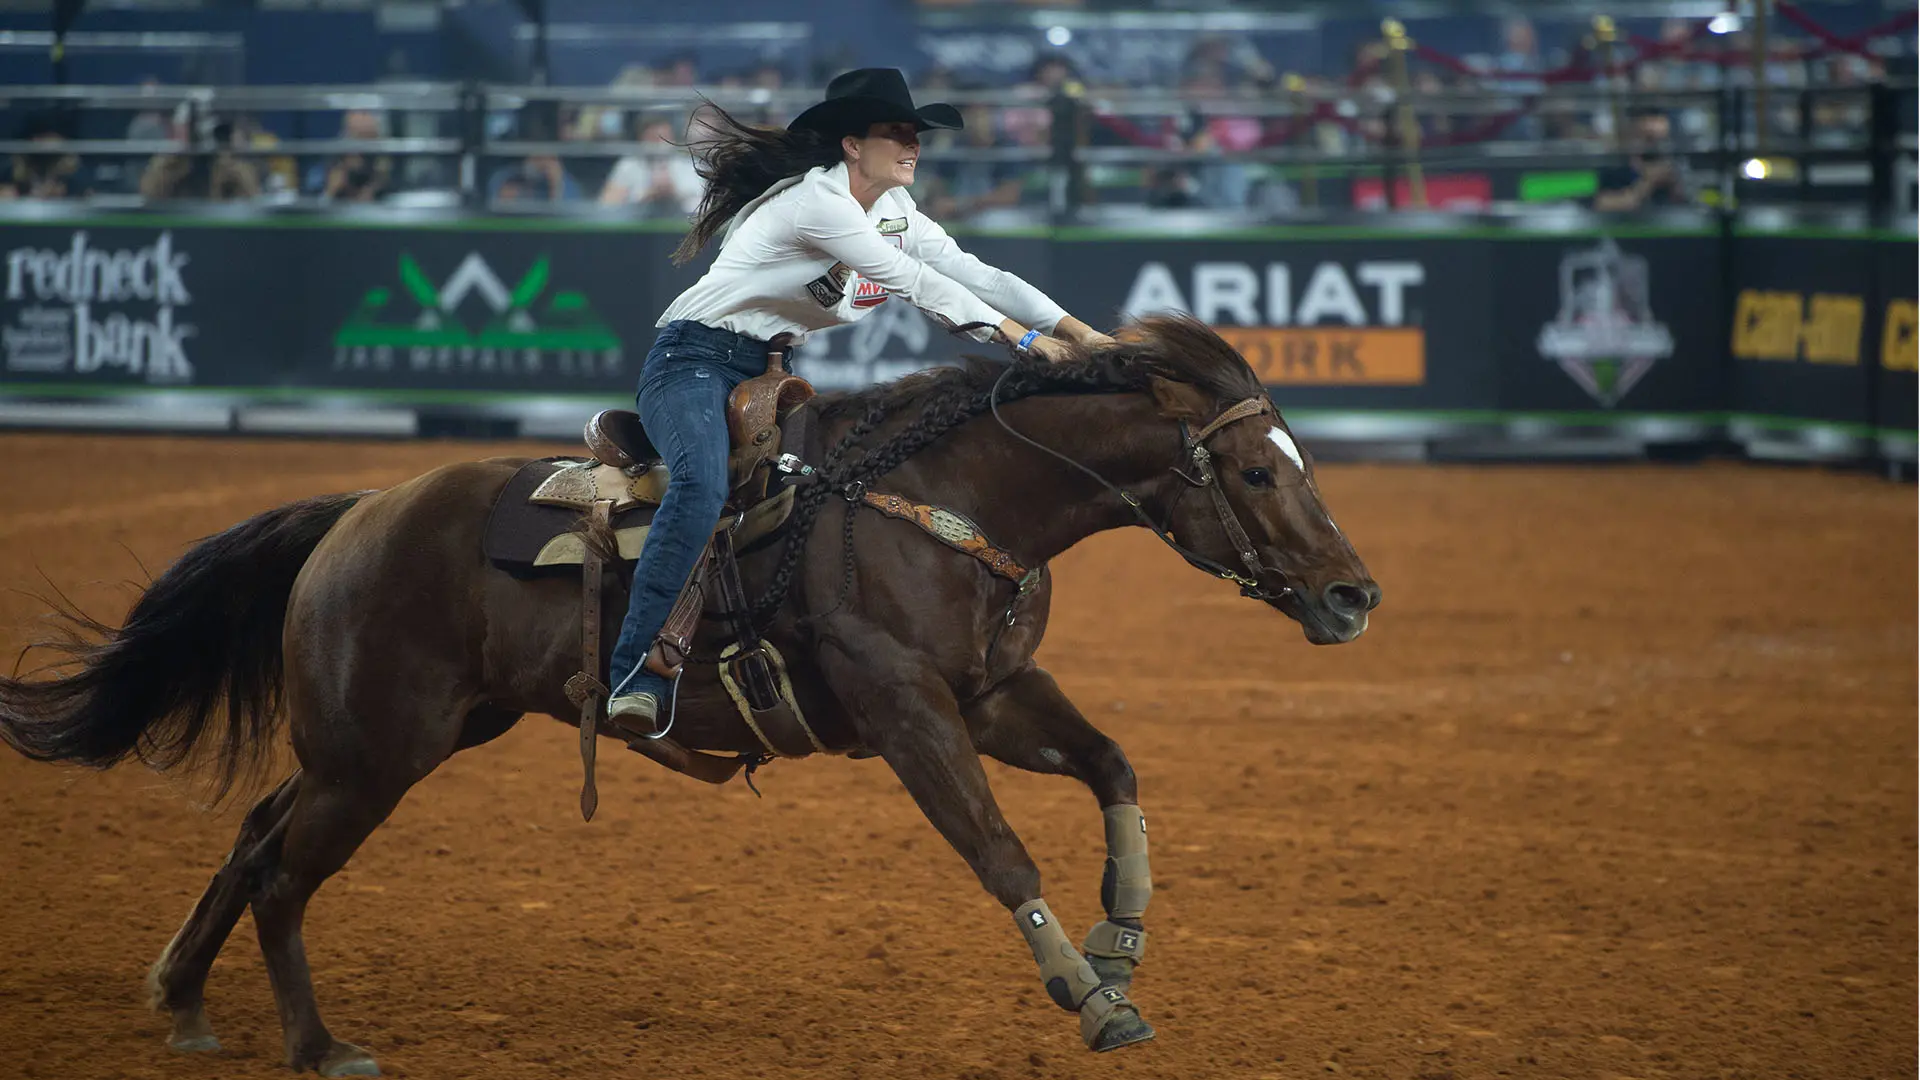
x=523, y=535
x=519, y=528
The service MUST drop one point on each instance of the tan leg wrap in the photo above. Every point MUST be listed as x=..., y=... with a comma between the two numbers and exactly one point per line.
x=1113, y=940
x=1099, y=1008
x=1128, y=882
x=1068, y=977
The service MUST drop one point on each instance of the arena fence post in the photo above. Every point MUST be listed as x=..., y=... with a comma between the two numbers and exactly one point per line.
x=1407, y=125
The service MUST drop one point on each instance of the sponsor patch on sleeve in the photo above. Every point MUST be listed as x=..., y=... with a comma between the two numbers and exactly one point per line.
x=890, y=226
x=831, y=287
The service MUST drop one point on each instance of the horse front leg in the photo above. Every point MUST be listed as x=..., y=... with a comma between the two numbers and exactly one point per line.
x=1028, y=723
x=908, y=714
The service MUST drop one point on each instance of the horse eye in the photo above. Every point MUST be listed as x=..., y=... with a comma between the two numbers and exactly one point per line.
x=1257, y=478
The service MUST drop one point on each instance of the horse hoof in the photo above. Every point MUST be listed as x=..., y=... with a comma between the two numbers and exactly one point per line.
x=192, y=1034
x=1113, y=970
x=1124, y=1028
x=346, y=1059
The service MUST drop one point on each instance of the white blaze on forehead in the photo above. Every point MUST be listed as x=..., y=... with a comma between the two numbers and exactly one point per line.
x=1284, y=441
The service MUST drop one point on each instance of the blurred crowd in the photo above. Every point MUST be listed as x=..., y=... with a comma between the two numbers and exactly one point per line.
x=1227, y=100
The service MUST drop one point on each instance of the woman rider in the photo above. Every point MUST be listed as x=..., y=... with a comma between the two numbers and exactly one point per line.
x=802, y=214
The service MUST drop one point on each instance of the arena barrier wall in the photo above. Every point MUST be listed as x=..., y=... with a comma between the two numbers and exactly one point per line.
x=1532, y=335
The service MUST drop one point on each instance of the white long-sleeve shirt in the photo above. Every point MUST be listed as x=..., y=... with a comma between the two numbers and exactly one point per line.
x=805, y=256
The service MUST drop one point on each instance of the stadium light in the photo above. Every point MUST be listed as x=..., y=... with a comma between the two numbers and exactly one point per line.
x=1726, y=22
x=1059, y=35
x=1756, y=169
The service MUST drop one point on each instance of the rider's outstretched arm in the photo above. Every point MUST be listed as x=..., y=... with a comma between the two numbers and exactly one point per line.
x=1006, y=291
x=836, y=227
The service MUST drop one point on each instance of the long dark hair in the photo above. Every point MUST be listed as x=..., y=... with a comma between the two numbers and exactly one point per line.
x=740, y=162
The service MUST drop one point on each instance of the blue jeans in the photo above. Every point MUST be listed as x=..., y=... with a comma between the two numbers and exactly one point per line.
x=682, y=401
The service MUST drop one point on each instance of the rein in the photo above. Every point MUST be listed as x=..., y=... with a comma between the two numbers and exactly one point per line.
x=1200, y=460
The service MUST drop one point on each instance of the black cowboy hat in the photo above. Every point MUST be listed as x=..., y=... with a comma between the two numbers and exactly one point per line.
x=867, y=96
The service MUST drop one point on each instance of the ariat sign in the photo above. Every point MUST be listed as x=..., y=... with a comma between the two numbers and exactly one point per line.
x=1821, y=328
x=1330, y=324
x=85, y=310
x=473, y=325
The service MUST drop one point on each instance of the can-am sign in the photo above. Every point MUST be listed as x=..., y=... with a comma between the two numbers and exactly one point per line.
x=1328, y=326
x=85, y=310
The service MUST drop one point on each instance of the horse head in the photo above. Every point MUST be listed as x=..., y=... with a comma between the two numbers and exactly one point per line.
x=1243, y=495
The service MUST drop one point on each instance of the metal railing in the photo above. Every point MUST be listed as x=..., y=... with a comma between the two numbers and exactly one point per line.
x=1073, y=149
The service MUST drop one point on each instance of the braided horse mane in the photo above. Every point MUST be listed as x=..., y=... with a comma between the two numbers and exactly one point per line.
x=1174, y=347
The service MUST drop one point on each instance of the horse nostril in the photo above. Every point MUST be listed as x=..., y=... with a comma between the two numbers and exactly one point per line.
x=1348, y=599
x=1373, y=595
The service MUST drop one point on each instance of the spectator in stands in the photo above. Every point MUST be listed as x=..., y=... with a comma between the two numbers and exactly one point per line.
x=151, y=124
x=1521, y=56
x=1209, y=131
x=681, y=69
x=539, y=177
x=1031, y=125
x=961, y=188
x=1236, y=61
x=277, y=173
x=1651, y=176
x=1171, y=187
x=1435, y=123
x=358, y=177
x=596, y=122
x=47, y=173
x=767, y=76
x=208, y=171
x=660, y=179
x=1840, y=119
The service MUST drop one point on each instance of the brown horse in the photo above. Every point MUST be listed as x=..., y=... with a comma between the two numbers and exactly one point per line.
x=393, y=643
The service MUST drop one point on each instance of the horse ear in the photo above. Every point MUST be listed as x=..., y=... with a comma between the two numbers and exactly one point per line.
x=1178, y=400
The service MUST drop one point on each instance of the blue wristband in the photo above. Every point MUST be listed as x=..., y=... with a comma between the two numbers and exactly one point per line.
x=1026, y=339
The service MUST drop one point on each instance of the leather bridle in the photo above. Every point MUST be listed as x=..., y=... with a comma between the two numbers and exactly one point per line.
x=1199, y=459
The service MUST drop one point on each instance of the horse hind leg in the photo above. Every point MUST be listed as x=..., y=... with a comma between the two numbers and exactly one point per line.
x=177, y=981
x=328, y=822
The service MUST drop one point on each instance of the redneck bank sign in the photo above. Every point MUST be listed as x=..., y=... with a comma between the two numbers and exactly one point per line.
x=83, y=309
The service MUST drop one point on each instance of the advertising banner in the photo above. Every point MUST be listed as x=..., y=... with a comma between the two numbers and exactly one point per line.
x=139, y=307
x=1589, y=323
x=1388, y=324
x=556, y=312
x=1816, y=328
x=1800, y=332
x=1895, y=346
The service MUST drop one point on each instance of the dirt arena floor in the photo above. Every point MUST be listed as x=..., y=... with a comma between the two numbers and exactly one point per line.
x=1620, y=784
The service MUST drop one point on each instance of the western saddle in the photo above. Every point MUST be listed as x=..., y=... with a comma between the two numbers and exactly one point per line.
x=769, y=434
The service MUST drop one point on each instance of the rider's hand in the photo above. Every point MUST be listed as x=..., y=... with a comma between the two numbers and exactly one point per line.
x=1052, y=350
x=1074, y=330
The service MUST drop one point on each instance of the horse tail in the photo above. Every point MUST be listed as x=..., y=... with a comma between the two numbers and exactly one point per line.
x=202, y=640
